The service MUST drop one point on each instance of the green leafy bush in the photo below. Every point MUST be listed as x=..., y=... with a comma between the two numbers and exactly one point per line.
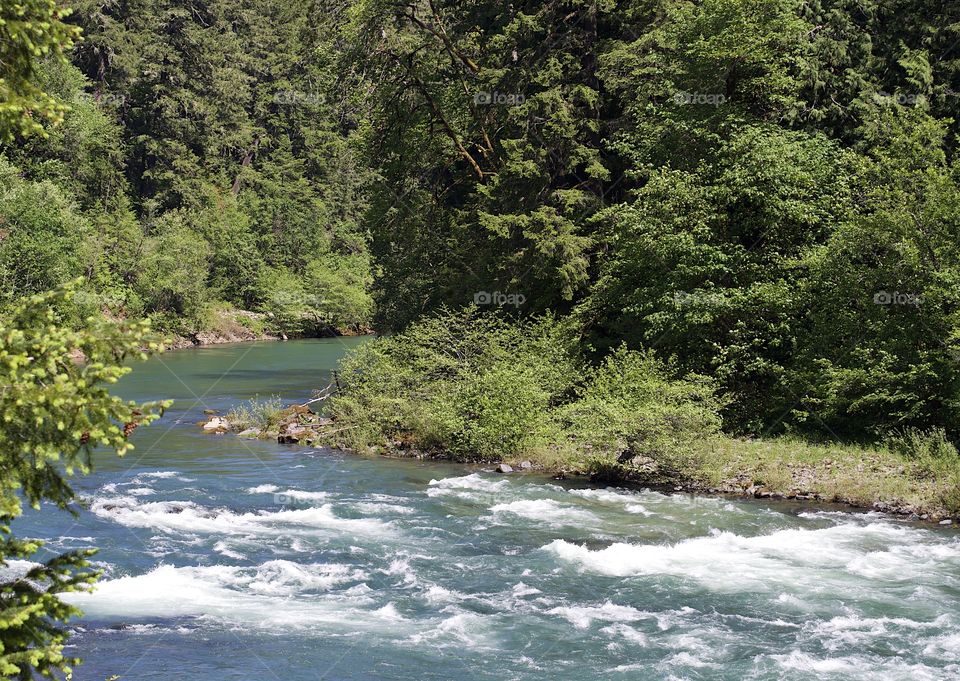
x=914, y=443
x=629, y=405
x=173, y=276
x=934, y=457
x=43, y=237
x=478, y=387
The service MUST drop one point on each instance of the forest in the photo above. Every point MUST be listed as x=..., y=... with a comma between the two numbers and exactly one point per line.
x=594, y=217
x=764, y=192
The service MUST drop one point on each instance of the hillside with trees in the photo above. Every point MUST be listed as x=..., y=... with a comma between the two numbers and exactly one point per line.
x=202, y=162
x=765, y=192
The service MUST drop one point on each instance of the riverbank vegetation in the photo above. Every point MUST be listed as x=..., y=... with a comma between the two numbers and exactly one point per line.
x=479, y=388
x=471, y=387
x=764, y=192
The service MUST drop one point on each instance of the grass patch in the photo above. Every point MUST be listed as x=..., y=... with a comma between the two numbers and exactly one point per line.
x=887, y=475
x=263, y=415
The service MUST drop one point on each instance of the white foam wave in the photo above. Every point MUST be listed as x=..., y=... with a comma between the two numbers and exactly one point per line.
x=857, y=667
x=275, y=594
x=785, y=558
x=377, y=508
x=473, y=486
x=609, y=495
x=224, y=549
x=546, y=511
x=581, y=616
x=262, y=489
x=190, y=518
x=627, y=633
x=461, y=629
x=142, y=478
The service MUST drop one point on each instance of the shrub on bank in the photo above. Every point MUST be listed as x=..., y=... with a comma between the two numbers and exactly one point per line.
x=934, y=457
x=477, y=387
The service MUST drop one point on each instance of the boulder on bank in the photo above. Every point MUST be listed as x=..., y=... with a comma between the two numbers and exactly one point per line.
x=217, y=424
x=292, y=434
x=504, y=468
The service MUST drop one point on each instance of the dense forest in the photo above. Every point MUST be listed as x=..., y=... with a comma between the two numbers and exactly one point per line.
x=616, y=228
x=760, y=191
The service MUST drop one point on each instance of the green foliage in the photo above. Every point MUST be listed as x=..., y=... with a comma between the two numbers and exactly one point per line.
x=43, y=234
x=920, y=444
x=196, y=152
x=485, y=127
x=30, y=637
x=730, y=182
x=482, y=388
x=934, y=457
x=29, y=31
x=173, y=272
x=53, y=411
x=629, y=405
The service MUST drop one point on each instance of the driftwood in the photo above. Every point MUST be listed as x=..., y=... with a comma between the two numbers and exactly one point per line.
x=329, y=391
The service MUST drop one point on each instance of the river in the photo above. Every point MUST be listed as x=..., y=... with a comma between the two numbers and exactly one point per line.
x=230, y=559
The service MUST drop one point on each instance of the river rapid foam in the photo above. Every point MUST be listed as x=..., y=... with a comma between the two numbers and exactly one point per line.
x=638, y=584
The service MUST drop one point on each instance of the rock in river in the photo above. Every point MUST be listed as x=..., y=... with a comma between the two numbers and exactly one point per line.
x=217, y=423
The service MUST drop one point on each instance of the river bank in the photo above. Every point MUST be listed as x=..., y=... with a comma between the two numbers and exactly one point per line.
x=859, y=477
x=245, y=326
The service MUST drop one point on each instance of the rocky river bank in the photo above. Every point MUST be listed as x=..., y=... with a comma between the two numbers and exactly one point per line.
x=802, y=481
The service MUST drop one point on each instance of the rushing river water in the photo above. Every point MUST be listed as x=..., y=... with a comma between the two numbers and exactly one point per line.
x=228, y=559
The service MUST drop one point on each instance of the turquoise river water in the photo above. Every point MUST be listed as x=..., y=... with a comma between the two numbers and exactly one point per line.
x=228, y=559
